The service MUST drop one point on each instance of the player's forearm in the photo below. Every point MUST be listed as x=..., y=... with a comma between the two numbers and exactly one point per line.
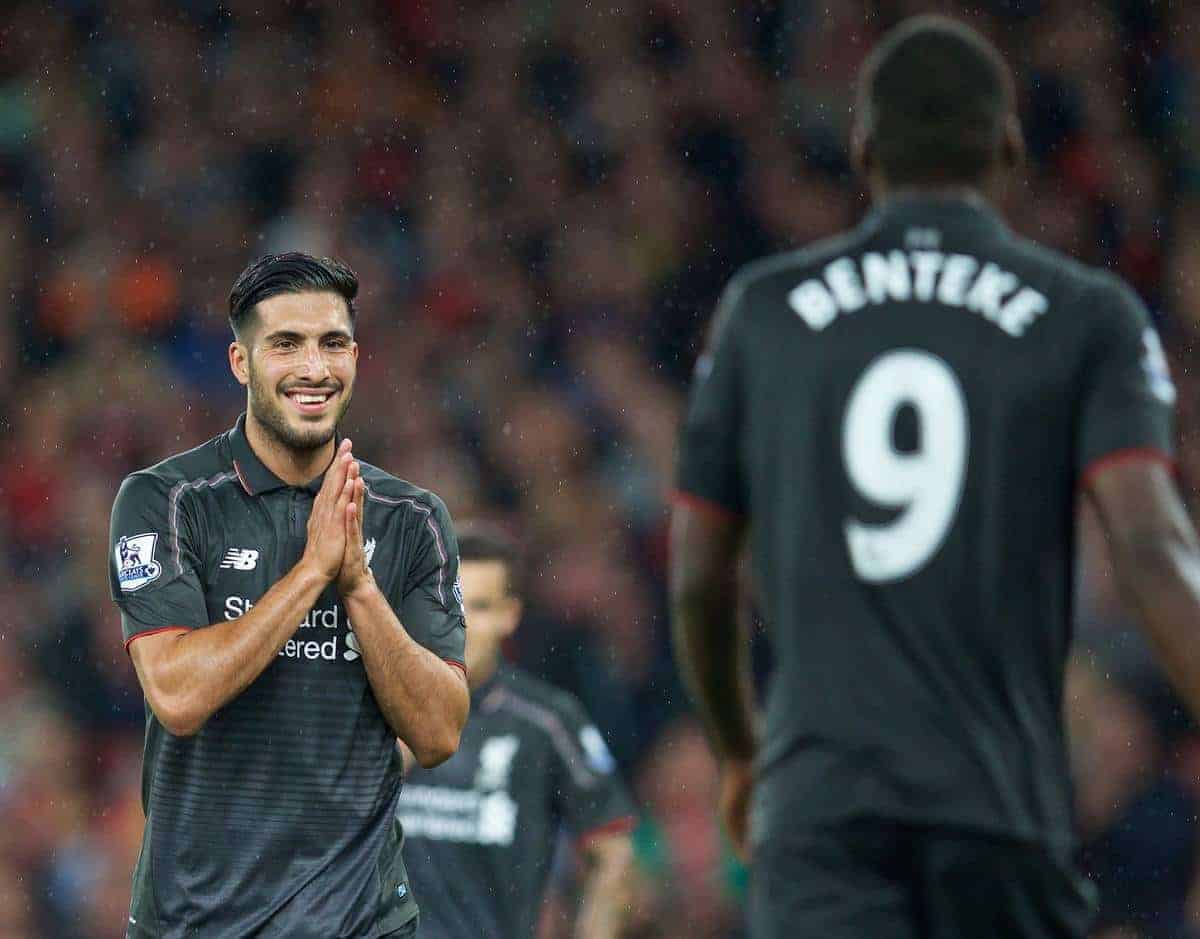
x=1160, y=579
x=709, y=646
x=203, y=670
x=607, y=891
x=424, y=699
x=711, y=651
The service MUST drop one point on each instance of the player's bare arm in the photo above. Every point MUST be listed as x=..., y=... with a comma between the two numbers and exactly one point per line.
x=188, y=675
x=607, y=887
x=1156, y=555
x=423, y=698
x=711, y=650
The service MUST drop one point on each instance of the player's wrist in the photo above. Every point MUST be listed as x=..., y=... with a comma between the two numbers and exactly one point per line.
x=309, y=569
x=362, y=587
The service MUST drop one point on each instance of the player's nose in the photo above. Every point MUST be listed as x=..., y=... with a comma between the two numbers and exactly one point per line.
x=314, y=366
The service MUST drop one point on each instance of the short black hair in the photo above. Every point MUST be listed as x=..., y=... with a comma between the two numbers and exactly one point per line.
x=480, y=541
x=935, y=96
x=292, y=272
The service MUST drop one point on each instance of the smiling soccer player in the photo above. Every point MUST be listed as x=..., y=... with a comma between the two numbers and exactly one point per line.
x=290, y=611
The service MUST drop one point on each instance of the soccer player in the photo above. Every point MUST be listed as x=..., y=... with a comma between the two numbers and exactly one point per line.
x=899, y=420
x=290, y=612
x=481, y=828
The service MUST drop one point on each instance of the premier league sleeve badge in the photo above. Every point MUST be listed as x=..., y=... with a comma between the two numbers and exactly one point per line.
x=136, y=566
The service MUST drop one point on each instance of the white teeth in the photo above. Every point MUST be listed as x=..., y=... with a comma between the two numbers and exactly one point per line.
x=310, y=399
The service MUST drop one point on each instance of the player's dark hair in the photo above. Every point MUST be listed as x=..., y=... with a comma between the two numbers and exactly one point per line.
x=935, y=96
x=479, y=541
x=292, y=272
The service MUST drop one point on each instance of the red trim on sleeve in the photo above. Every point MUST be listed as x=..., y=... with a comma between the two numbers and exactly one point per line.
x=151, y=632
x=1128, y=455
x=705, y=506
x=457, y=664
x=617, y=826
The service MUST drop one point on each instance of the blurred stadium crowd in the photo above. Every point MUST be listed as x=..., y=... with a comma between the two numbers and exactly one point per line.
x=542, y=201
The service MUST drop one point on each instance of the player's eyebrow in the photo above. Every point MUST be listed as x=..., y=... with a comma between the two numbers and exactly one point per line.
x=282, y=334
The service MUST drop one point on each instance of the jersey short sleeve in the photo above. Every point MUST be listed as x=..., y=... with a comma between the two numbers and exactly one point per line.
x=431, y=608
x=591, y=796
x=1129, y=398
x=709, y=466
x=152, y=559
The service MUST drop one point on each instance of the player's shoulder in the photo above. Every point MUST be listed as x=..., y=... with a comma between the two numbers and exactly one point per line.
x=210, y=464
x=756, y=288
x=784, y=268
x=1091, y=292
x=556, y=716
x=400, y=494
x=538, y=698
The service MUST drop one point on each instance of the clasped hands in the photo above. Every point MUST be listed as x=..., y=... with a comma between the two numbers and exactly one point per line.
x=335, y=532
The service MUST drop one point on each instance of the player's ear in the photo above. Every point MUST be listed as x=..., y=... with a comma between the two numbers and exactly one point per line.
x=1012, y=144
x=239, y=362
x=515, y=609
x=862, y=156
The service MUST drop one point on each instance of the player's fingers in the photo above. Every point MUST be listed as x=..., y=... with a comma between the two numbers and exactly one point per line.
x=355, y=515
x=736, y=790
x=736, y=828
x=332, y=489
x=743, y=831
x=335, y=476
x=335, y=514
x=744, y=825
x=352, y=552
x=728, y=823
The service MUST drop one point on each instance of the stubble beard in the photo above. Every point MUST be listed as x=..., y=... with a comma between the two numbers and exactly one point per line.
x=265, y=404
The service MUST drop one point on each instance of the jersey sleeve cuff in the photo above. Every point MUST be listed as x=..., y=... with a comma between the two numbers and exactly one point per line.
x=705, y=506
x=1127, y=455
x=622, y=825
x=151, y=632
x=461, y=666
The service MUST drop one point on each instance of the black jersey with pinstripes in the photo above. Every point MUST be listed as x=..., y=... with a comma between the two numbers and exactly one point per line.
x=481, y=828
x=278, y=817
x=904, y=415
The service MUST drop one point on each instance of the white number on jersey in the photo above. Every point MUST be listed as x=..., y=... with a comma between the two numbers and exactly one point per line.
x=925, y=484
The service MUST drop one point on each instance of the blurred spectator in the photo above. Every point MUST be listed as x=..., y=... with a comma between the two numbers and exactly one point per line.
x=1138, y=825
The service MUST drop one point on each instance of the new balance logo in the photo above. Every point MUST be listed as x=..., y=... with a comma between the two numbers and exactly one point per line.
x=240, y=559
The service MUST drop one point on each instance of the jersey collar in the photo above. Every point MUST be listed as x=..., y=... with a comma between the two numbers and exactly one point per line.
x=935, y=210
x=252, y=473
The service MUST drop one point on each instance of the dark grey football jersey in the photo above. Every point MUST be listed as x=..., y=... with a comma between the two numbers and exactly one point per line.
x=905, y=415
x=278, y=817
x=481, y=828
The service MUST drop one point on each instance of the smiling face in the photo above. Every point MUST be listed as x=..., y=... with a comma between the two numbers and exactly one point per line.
x=298, y=360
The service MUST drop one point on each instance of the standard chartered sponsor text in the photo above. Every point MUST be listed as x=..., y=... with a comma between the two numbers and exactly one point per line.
x=320, y=646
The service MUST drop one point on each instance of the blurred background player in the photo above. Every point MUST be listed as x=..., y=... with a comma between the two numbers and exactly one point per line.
x=481, y=828
x=900, y=420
